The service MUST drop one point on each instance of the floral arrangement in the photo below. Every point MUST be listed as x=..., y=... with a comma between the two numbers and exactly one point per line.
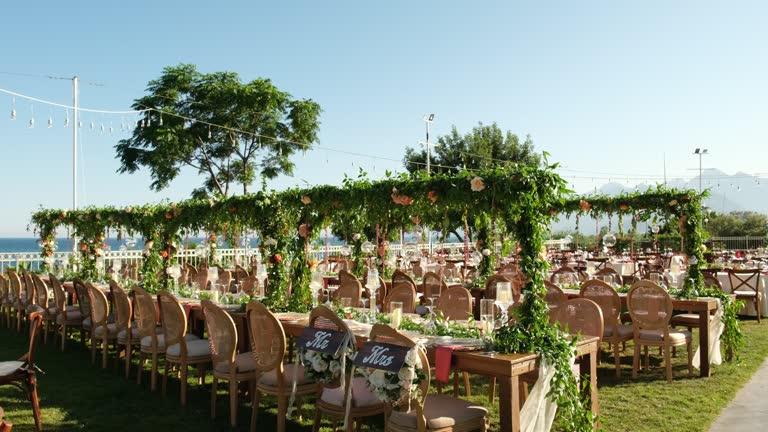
x=322, y=367
x=397, y=387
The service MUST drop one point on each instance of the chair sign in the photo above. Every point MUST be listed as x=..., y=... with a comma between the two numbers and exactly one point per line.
x=322, y=340
x=384, y=356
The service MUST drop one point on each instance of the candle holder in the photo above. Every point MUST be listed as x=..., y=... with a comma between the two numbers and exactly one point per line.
x=504, y=299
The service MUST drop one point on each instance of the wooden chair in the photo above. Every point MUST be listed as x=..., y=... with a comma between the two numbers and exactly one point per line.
x=227, y=364
x=333, y=397
x=29, y=299
x=564, y=271
x=18, y=301
x=128, y=334
x=240, y=273
x=275, y=376
x=21, y=373
x=608, y=271
x=554, y=298
x=455, y=303
x=66, y=315
x=689, y=319
x=651, y=311
x=400, y=278
x=191, y=273
x=404, y=293
x=609, y=301
x=83, y=302
x=432, y=285
x=202, y=278
x=178, y=349
x=44, y=305
x=581, y=316
x=5, y=302
x=152, y=341
x=429, y=412
x=102, y=330
x=349, y=287
x=745, y=284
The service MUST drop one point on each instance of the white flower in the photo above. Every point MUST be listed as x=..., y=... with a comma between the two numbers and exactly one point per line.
x=356, y=237
x=412, y=358
x=693, y=260
x=377, y=378
x=334, y=366
x=406, y=374
x=392, y=386
x=476, y=184
x=270, y=242
x=487, y=252
x=309, y=355
x=319, y=364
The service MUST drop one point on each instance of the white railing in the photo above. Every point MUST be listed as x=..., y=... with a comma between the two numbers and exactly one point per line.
x=33, y=260
x=739, y=243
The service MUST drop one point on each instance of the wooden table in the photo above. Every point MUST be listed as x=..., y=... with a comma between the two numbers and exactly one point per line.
x=702, y=306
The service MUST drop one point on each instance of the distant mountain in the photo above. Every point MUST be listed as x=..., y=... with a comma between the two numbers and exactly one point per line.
x=727, y=193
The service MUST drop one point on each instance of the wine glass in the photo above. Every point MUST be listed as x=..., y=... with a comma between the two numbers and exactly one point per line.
x=504, y=299
x=396, y=313
x=213, y=275
x=488, y=319
x=316, y=285
x=372, y=283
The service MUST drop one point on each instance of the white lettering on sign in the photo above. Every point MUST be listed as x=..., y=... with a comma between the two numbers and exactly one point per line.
x=320, y=341
x=378, y=357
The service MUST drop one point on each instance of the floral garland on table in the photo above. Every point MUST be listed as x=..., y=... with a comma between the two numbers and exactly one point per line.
x=395, y=388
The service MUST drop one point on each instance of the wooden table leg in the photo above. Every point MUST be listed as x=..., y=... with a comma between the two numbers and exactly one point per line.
x=704, y=342
x=509, y=404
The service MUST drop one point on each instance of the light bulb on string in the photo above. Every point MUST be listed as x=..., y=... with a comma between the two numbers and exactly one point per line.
x=101, y=128
x=111, y=129
x=66, y=120
x=92, y=126
x=32, y=119
x=209, y=132
x=122, y=124
x=149, y=120
x=50, y=122
x=79, y=124
x=13, y=109
x=143, y=123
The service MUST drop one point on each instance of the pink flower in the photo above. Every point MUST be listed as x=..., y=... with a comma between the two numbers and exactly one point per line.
x=432, y=195
x=585, y=205
x=477, y=184
x=306, y=200
x=304, y=230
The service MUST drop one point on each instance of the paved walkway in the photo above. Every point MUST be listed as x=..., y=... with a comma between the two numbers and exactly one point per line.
x=748, y=411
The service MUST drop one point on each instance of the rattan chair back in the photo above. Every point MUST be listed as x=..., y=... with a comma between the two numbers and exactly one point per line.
x=649, y=305
x=267, y=338
x=98, y=304
x=349, y=287
x=564, y=270
x=712, y=281
x=607, y=298
x=174, y=321
x=581, y=316
x=608, y=271
x=222, y=333
x=385, y=333
x=29, y=289
x=123, y=309
x=554, y=297
x=433, y=285
x=400, y=278
x=59, y=295
x=455, y=303
x=146, y=314
x=202, y=278
x=14, y=286
x=83, y=300
x=404, y=293
x=41, y=292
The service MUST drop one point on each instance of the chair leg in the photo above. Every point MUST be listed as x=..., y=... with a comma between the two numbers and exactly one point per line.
x=617, y=359
x=318, y=418
x=254, y=407
x=93, y=351
x=467, y=387
x=104, y=349
x=282, y=410
x=31, y=383
x=128, y=349
x=183, y=378
x=233, y=402
x=757, y=307
x=153, y=376
x=213, y=396
x=690, y=359
x=636, y=360
x=166, y=371
x=668, y=361
x=63, y=336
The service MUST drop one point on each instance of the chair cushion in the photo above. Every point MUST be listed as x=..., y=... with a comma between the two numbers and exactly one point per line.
x=111, y=330
x=740, y=293
x=270, y=378
x=135, y=335
x=442, y=411
x=51, y=311
x=243, y=363
x=71, y=316
x=361, y=395
x=146, y=341
x=9, y=367
x=195, y=348
x=625, y=330
x=34, y=308
x=675, y=336
x=86, y=322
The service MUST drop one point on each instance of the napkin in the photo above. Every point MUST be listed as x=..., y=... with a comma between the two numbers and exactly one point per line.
x=443, y=354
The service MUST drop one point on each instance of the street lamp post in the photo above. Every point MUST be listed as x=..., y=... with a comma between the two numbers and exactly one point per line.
x=428, y=119
x=701, y=153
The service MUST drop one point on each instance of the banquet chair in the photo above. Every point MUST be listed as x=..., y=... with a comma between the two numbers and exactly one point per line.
x=428, y=412
x=43, y=304
x=179, y=350
x=152, y=341
x=250, y=285
x=432, y=285
x=22, y=372
x=191, y=273
x=404, y=293
x=581, y=316
x=400, y=278
x=565, y=271
x=30, y=294
x=227, y=364
x=609, y=301
x=202, y=278
x=128, y=334
x=102, y=330
x=66, y=315
x=554, y=298
x=5, y=302
x=240, y=273
x=274, y=376
x=745, y=284
x=651, y=309
x=18, y=301
x=333, y=397
x=455, y=303
x=608, y=271
x=83, y=302
x=349, y=287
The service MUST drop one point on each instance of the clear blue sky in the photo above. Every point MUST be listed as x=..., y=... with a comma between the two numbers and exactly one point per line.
x=607, y=89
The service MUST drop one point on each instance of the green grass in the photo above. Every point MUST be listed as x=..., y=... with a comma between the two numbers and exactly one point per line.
x=75, y=395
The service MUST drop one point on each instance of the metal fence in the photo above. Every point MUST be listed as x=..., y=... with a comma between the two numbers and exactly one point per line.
x=738, y=243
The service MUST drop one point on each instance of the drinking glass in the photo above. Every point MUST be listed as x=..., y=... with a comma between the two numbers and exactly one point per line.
x=504, y=299
x=396, y=313
x=488, y=315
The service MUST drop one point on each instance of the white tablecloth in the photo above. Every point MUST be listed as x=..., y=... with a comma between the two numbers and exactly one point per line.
x=749, y=307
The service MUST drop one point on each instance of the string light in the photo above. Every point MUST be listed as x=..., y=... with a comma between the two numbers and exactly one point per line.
x=13, y=109
x=66, y=120
x=32, y=119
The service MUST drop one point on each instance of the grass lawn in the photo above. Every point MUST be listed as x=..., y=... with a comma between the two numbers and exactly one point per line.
x=77, y=396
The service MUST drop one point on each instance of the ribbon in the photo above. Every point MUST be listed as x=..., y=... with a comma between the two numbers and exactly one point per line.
x=539, y=410
x=716, y=327
x=347, y=349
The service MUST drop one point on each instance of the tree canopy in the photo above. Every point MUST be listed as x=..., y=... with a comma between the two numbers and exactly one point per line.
x=743, y=223
x=486, y=146
x=229, y=131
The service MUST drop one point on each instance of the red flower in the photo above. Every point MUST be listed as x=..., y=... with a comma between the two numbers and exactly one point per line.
x=623, y=207
x=48, y=252
x=553, y=212
x=169, y=215
x=432, y=195
x=585, y=205
x=304, y=230
x=164, y=254
x=233, y=209
x=277, y=258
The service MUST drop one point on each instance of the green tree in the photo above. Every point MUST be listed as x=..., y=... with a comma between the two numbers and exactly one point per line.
x=485, y=146
x=744, y=223
x=262, y=127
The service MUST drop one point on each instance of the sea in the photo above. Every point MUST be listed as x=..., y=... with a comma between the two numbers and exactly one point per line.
x=21, y=244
